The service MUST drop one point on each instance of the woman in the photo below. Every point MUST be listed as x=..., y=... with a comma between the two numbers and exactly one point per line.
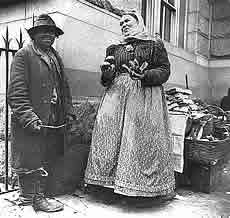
x=131, y=148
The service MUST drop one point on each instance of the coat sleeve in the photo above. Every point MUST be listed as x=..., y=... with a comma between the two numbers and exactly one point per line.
x=107, y=77
x=160, y=73
x=18, y=91
x=68, y=97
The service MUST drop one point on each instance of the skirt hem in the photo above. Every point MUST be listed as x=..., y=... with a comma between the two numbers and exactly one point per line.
x=134, y=191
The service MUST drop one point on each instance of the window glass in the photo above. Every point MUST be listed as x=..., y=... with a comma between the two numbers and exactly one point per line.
x=167, y=21
x=167, y=25
x=182, y=23
x=172, y=2
x=143, y=10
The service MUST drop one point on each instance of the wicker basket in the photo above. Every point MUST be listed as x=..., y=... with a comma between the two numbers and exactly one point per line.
x=221, y=115
x=207, y=152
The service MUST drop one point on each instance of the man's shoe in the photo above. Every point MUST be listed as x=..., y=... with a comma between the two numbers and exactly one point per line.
x=24, y=201
x=41, y=203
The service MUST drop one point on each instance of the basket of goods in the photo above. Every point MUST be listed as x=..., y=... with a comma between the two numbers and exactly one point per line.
x=209, y=139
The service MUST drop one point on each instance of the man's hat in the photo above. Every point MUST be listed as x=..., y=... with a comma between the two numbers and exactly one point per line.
x=44, y=21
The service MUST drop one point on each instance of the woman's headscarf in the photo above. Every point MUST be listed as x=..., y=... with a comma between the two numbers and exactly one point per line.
x=140, y=32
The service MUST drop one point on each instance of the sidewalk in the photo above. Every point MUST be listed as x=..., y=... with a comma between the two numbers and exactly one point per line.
x=187, y=204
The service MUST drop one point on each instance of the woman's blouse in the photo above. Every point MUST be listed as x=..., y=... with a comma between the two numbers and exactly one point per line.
x=153, y=52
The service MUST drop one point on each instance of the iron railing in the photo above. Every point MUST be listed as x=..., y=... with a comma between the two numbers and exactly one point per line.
x=8, y=51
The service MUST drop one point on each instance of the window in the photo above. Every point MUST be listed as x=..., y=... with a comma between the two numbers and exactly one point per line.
x=167, y=20
x=182, y=37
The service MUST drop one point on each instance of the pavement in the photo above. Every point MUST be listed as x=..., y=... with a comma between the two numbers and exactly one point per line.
x=103, y=204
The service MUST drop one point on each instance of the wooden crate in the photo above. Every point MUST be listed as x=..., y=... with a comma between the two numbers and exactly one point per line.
x=184, y=179
x=205, y=178
x=200, y=177
x=201, y=174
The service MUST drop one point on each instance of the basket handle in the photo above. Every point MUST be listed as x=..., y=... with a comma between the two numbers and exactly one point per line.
x=224, y=114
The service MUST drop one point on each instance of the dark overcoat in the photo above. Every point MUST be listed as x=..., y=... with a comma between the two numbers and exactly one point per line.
x=29, y=96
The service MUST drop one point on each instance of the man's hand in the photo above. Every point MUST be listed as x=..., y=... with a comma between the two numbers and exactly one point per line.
x=70, y=118
x=35, y=126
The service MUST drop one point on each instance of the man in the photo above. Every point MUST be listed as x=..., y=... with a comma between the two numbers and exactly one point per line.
x=39, y=96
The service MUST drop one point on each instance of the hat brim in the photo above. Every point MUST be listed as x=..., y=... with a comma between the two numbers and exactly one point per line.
x=36, y=29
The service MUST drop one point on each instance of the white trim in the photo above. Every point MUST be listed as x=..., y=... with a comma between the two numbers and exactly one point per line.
x=163, y=24
x=176, y=23
x=157, y=10
x=201, y=60
x=186, y=25
x=174, y=28
x=219, y=63
x=150, y=12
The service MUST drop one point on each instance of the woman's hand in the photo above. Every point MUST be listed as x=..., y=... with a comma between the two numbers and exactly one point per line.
x=108, y=64
x=132, y=73
x=135, y=71
x=108, y=71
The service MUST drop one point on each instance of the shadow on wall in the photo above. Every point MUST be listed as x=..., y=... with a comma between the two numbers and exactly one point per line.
x=84, y=83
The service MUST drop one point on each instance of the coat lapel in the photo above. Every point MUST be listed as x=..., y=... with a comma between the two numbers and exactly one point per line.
x=42, y=56
x=59, y=64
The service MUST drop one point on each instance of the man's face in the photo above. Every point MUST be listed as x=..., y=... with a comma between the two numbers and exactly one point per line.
x=44, y=38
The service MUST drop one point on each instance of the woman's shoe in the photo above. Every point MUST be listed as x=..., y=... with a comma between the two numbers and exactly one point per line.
x=168, y=197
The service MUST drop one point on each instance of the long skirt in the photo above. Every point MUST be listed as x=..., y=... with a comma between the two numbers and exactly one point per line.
x=131, y=146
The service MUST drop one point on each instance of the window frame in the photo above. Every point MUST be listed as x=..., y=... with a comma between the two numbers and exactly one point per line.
x=166, y=7
x=153, y=19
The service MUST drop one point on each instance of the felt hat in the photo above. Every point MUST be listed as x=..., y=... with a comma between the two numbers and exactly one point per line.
x=44, y=21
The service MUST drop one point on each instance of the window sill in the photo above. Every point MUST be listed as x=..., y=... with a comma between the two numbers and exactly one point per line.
x=196, y=58
x=219, y=63
x=186, y=55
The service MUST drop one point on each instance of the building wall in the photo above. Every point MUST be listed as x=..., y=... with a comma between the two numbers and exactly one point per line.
x=220, y=86
x=221, y=28
x=126, y=4
x=198, y=27
x=196, y=69
x=88, y=31
x=219, y=75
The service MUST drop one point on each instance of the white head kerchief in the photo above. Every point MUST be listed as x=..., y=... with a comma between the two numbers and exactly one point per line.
x=138, y=33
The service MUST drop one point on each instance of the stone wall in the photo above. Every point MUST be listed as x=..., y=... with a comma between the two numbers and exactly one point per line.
x=221, y=29
x=198, y=27
x=90, y=29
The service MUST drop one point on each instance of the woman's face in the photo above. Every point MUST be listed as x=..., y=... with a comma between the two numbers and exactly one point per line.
x=128, y=24
x=44, y=38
